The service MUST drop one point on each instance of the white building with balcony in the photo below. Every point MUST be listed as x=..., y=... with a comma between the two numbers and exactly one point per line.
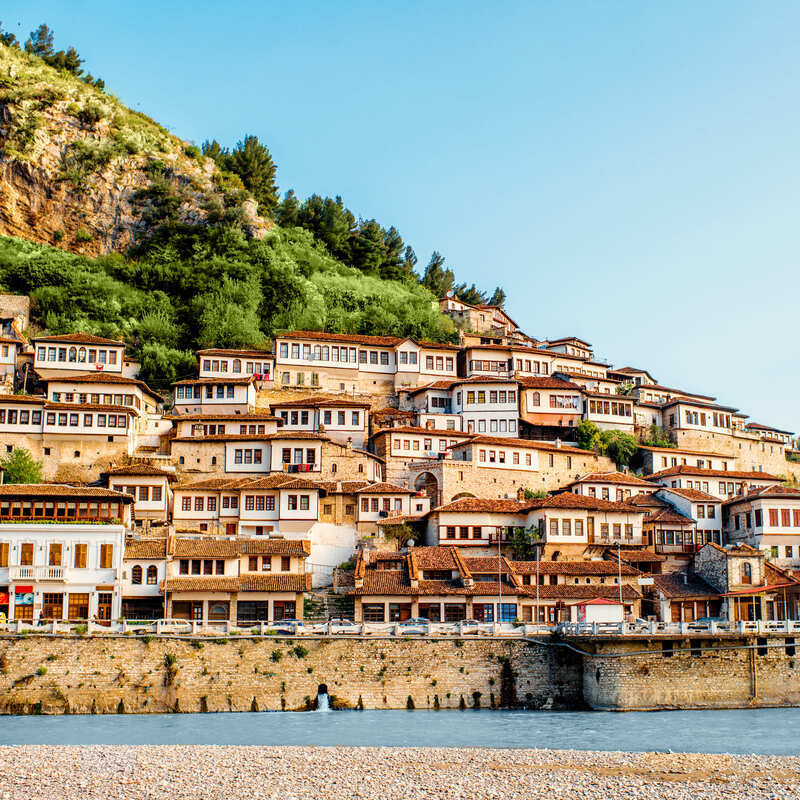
x=61, y=551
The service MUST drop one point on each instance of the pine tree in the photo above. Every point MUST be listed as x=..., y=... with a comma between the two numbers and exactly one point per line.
x=40, y=42
x=437, y=279
x=469, y=294
x=498, y=298
x=7, y=38
x=21, y=467
x=252, y=162
x=287, y=212
x=215, y=152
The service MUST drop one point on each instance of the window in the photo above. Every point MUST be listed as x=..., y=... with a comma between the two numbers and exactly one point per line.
x=746, y=573
x=106, y=556
x=186, y=504
x=152, y=575
x=136, y=574
x=785, y=518
x=773, y=517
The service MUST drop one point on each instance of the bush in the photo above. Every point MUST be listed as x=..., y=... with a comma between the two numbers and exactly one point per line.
x=300, y=651
x=82, y=235
x=192, y=151
x=90, y=115
x=276, y=656
x=41, y=671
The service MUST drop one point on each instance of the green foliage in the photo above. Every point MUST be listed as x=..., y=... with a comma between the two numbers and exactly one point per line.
x=192, y=151
x=657, y=437
x=534, y=494
x=402, y=534
x=21, y=467
x=523, y=541
x=82, y=235
x=437, y=278
x=626, y=389
x=90, y=115
x=620, y=447
x=300, y=651
x=276, y=656
x=498, y=298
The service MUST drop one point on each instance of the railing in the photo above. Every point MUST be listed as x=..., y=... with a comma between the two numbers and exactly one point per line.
x=640, y=628
x=29, y=573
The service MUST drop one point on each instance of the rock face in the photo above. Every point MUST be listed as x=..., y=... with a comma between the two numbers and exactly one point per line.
x=81, y=171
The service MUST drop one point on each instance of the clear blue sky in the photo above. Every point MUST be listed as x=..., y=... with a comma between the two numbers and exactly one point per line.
x=628, y=172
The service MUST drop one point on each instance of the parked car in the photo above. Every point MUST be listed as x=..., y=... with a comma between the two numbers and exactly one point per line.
x=342, y=625
x=294, y=626
x=414, y=625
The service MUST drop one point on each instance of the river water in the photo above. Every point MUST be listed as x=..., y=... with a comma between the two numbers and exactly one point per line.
x=761, y=731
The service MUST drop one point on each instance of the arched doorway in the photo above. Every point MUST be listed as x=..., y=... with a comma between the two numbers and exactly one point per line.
x=427, y=483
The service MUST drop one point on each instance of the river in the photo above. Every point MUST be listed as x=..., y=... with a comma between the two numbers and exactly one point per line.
x=759, y=731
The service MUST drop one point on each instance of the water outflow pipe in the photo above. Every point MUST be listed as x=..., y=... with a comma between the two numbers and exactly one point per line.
x=323, y=701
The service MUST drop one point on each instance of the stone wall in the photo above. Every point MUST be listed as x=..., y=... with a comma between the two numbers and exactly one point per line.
x=716, y=676
x=134, y=675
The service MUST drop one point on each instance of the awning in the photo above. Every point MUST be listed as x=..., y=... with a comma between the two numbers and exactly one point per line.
x=23, y=589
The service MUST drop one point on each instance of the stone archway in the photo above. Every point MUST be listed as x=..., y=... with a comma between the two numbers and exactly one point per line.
x=427, y=483
x=461, y=496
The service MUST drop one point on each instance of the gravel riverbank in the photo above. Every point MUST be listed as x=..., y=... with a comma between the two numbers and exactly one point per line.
x=342, y=773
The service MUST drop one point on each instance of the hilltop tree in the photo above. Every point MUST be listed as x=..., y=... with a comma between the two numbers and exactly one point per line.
x=498, y=298
x=437, y=279
x=21, y=467
x=215, y=151
x=469, y=294
x=252, y=162
x=287, y=212
x=7, y=38
x=40, y=42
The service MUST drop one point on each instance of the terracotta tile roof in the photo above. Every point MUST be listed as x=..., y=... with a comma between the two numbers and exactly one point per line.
x=677, y=451
x=297, y=435
x=434, y=558
x=758, y=427
x=141, y=469
x=685, y=469
x=619, y=478
x=568, y=339
x=350, y=338
x=255, y=582
x=146, y=548
x=279, y=480
x=322, y=402
x=204, y=381
x=483, y=565
x=550, y=382
x=384, y=488
x=691, y=401
x=574, y=568
x=213, y=484
x=391, y=412
x=27, y=399
x=427, y=344
x=299, y=548
x=686, y=395
x=204, y=548
x=768, y=492
x=672, y=585
x=477, y=504
x=528, y=443
x=221, y=437
x=251, y=417
x=424, y=431
x=665, y=515
x=585, y=591
x=636, y=555
x=79, y=338
x=570, y=500
x=695, y=495
x=79, y=407
x=399, y=520
x=45, y=490
x=106, y=377
x=646, y=500
x=216, y=351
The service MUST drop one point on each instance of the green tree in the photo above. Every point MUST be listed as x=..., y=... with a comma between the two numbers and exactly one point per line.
x=252, y=162
x=657, y=437
x=7, y=38
x=626, y=388
x=469, y=294
x=229, y=315
x=498, y=298
x=524, y=541
x=288, y=210
x=40, y=42
x=437, y=278
x=620, y=447
x=21, y=467
x=160, y=366
x=534, y=494
x=216, y=153
x=588, y=436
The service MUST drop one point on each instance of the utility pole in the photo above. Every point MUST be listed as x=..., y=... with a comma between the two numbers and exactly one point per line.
x=619, y=575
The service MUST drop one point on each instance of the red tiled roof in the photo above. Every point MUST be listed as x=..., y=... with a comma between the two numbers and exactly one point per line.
x=141, y=469
x=79, y=338
x=146, y=548
x=425, y=431
x=384, y=488
x=322, y=402
x=105, y=377
x=529, y=443
x=550, y=382
x=685, y=469
x=672, y=585
x=620, y=478
x=434, y=558
x=478, y=504
x=351, y=338
x=249, y=582
x=27, y=399
x=665, y=515
x=758, y=427
x=45, y=490
x=691, y=494
x=216, y=351
x=250, y=417
x=570, y=500
x=573, y=568
x=204, y=381
x=771, y=492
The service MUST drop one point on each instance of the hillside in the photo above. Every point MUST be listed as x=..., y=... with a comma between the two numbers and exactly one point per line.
x=81, y=171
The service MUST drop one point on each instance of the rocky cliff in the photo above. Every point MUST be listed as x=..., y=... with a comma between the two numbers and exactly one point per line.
x=81, y=171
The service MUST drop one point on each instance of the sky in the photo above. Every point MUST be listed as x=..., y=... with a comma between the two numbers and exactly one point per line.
x=627, y=172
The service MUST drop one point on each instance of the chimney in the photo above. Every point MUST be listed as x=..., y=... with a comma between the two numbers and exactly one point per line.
x=558, y=443
x=338, y=486
x=349, y=442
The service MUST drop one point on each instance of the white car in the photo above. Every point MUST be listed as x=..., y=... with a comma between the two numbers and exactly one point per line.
x=342, y=625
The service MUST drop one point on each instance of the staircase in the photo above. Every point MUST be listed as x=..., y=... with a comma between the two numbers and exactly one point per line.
x=322, y=605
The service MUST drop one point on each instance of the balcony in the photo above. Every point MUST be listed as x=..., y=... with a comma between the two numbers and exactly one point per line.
x=299, y=467
x=30, y=573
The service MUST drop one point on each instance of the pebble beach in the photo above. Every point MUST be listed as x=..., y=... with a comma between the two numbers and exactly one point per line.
x=343, y=773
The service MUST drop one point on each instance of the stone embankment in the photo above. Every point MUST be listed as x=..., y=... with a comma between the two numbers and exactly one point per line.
x=310, y=773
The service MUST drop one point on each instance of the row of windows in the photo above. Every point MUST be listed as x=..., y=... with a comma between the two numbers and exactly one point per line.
x=266, y=564
x=499, y=457
x=143, y=493
x=698, y=538
x=701, y=418
x=606, y=529
x=612, y=408
x=300, y=379
x=302, y=417
x=76, y=355
x=201, y=566
x=620, y=494
x=201, y=503
x=51, y=509
x=705, y=512
x=259, y=502
x=495, y=426
x=251, y=502
x=221, y=391
x=476, y=532
x=137, y=574
x=414, y=444
x=105, y=399
x=701, y=463
x=55, y=555
x=372, y=504
x=251, y=367
x=103, y=420
x=216, y=429
x=289, y=456
x=479, y=397
x=788, y=518
x=322, y=353
x=247, y=455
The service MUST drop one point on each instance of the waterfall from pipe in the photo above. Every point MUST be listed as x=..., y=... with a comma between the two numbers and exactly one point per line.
x=323, y=701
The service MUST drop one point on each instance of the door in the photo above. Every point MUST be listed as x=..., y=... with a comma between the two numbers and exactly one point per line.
x=104, y=606
x=590, y=529
x=52, y=605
